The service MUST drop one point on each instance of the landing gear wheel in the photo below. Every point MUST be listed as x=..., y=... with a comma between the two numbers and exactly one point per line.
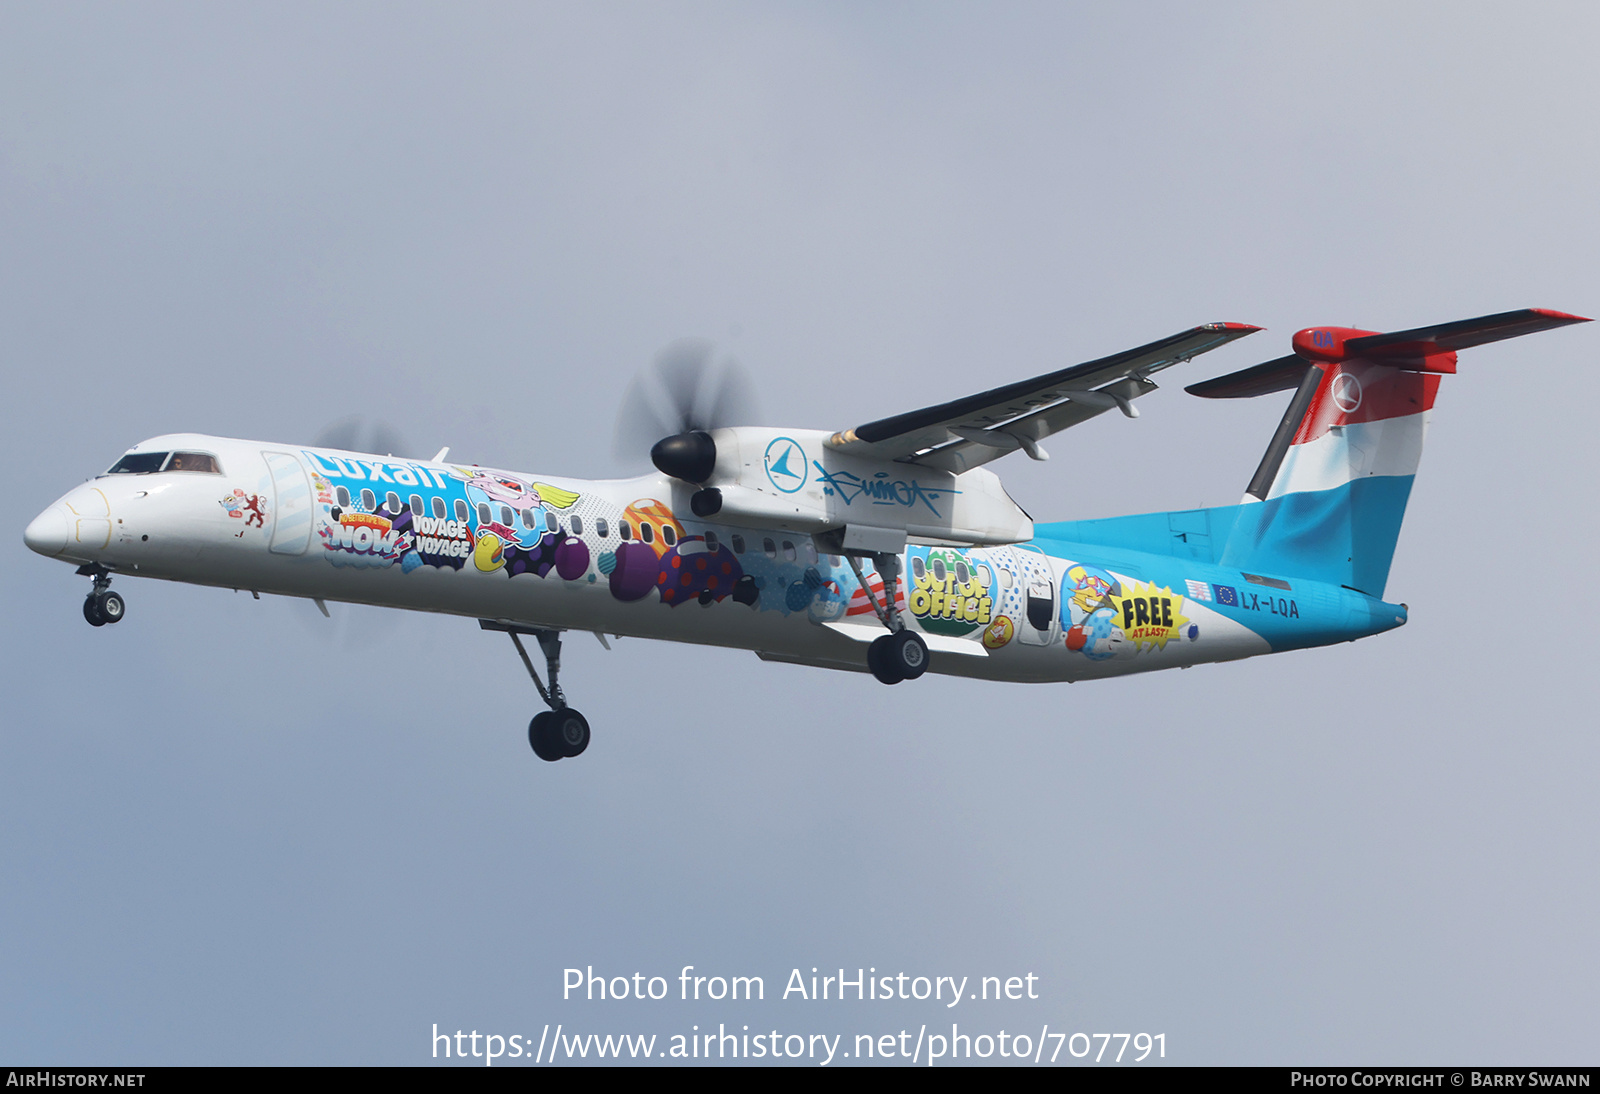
x=91, y=612
x=545, y=745
x=110, y=606
x=908, y=653
x=880, y=661
x=570, y=731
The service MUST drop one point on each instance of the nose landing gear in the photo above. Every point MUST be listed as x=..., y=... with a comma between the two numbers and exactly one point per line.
x=560, y=732
x=102, y=606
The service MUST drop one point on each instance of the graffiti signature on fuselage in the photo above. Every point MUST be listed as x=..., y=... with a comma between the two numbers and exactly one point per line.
x=880, y=489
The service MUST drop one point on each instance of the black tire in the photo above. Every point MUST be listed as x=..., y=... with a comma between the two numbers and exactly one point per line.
x=881, y=661
x=111, y=607
x=569, y=731
x=91, y=612
x=543, y=741
x=908, y=653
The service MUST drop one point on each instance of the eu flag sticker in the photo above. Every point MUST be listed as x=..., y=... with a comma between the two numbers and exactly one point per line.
x=1227, y=595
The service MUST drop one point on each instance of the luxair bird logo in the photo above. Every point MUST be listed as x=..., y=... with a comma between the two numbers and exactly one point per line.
x=1346, y=391
x=786, y=465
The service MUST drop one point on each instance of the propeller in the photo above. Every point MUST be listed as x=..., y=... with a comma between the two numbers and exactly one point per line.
x=671, y=407
x=359, y=434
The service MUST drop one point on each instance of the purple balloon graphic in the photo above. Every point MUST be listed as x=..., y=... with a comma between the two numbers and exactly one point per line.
x=636, y=572
x=572, y=559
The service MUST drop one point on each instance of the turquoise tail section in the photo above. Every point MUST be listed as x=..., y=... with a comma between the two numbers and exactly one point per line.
x=1343, y=536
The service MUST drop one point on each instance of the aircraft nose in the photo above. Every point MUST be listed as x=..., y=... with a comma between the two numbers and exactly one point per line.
x=47, y=532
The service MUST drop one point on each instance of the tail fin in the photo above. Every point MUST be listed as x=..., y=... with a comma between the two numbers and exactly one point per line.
x=1327, y=500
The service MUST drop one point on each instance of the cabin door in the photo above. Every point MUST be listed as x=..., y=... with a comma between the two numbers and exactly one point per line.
x=291, y=525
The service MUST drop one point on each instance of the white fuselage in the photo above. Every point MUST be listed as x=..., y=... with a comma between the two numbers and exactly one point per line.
x=616, y=557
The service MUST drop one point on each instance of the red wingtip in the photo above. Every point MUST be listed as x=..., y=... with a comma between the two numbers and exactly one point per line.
x=1570, y=318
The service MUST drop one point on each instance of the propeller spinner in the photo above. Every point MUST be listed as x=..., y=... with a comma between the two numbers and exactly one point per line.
x=673, y=406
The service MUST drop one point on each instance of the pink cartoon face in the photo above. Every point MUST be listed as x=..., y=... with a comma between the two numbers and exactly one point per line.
x=501, y=488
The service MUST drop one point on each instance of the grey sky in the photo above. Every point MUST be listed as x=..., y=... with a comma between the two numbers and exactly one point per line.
x=235, y=832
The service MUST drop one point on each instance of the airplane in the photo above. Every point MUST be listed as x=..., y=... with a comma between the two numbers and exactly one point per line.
x=889, y=548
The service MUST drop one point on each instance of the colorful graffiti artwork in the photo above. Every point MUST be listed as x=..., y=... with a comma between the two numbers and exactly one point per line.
x=692, y=571
x=949, y=591
x=356, y=538
x=1150, y=617
x=1111, y=618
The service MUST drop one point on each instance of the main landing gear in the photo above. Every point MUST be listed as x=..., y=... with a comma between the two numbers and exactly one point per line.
x=560, y=732
x=900, y=654
x=102, y=606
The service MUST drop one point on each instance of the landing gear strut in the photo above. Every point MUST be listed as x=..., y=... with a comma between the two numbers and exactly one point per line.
x=560, y=732
x=102, y=606
x=900, y=654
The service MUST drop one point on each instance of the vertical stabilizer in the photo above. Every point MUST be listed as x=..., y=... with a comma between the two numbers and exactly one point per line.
x=1327, y=501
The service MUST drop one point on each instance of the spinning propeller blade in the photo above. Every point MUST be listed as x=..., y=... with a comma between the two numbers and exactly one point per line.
x=687, y=389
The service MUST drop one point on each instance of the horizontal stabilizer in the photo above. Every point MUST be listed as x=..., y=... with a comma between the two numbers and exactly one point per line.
x=1462, y=334
x=1284, y=374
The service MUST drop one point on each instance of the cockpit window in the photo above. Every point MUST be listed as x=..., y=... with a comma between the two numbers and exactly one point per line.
x=139, y=463
x=193, y=461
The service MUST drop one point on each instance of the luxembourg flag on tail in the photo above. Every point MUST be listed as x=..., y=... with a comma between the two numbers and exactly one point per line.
x=1327, y=500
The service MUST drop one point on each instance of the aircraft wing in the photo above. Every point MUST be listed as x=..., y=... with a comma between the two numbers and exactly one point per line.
x=965, y=433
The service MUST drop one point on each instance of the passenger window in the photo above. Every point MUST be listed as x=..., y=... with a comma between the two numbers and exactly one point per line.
x=711, y=541
x=738, y=544
x=369, y=500
x=770, y=548
x=392, y=502
x=788, y=551
x=1005, y=578
x=484, y=516
x=919, y=569
x=939, y=571
x=835, y=560
x=416, y=506
x=462, y=512
x=577, y=525
x=342, y=496
x=625, y=530
x=984, y=577
x=550, y=523
x=963, y=574
x=647, y=532
x=602, y=527
x=507, y=517
x=668, y=536
x=438, y=508
x=527, y=519
x=138, y=463
x=811, y=552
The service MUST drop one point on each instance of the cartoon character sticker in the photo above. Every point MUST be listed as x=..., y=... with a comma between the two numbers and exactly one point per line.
x=998, y=633
x=252, y=508
x=1111, y=619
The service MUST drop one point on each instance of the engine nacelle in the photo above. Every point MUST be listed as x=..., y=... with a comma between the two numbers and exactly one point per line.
x=792, y=480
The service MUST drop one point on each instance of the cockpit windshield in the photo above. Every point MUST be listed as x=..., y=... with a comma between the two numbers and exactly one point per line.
x=145, y=463
x=193, y=461
x=139, y=463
